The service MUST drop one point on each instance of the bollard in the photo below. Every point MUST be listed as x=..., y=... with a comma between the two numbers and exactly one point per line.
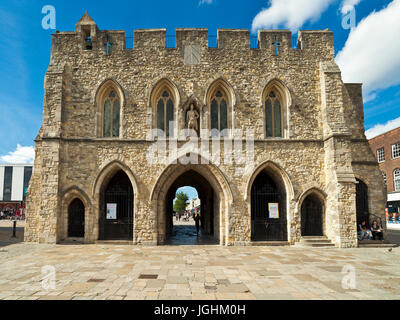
x=14, y=229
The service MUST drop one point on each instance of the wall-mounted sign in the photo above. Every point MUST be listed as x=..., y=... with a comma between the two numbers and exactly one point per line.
x=273, y=209
x=111, y=211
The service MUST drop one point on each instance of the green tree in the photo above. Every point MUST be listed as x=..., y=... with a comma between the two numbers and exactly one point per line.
x=181, y=201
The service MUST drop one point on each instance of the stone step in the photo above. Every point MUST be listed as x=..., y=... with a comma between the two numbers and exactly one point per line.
x=315, y=244
x=115, y=242
x=315, y=237
x=376, y=244
x=302, y=240
x=269, y=243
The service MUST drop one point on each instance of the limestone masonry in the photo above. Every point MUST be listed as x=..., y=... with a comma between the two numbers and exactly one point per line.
x=311, y=157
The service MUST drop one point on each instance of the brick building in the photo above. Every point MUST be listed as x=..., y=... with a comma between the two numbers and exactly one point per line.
x=300, y=166
x=386, y=148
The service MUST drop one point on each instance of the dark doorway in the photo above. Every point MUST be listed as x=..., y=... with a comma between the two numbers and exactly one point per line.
x=76, y=219
x=266, y=197
x=312, y=216
x=362, y=208
x=116, y=218
x=185, y=233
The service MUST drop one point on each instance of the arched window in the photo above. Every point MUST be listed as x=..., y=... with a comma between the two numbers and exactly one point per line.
x=165, y=113
x=396, y=178
x=273, y=115
x=110, y=101
x=219, y=112
x=111, y=119
x=276, y=101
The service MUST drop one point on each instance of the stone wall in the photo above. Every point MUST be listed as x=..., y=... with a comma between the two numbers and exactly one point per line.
x=323, y=127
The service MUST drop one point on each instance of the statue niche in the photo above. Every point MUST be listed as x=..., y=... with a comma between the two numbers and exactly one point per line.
x=193, y=118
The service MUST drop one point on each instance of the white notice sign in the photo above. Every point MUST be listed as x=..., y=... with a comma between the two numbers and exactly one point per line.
x=111, y=211
x=273, y=209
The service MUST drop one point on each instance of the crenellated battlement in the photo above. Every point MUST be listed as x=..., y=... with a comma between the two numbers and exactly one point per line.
x=88, y=36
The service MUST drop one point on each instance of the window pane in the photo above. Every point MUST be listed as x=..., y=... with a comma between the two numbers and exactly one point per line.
x=160, y=115
x=116, y=117
x=223, y=116
x=8, y=173
x=277, y=119
x=268, y=117
x=107, y=119
x=170, y=118
x=214, y=115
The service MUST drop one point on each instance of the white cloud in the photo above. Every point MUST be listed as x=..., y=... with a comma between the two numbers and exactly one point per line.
x=347, y=5
x=205, y=2
x=382, y=128
x=21, y=155
x=291, y=14
x=371, y=52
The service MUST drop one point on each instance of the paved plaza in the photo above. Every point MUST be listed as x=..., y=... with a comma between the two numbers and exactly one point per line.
x=117, y=272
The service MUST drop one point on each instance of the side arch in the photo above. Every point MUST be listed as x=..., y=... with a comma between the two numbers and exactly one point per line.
x=107, y=171
x=268, y=164
x=67, y=197
x=315, y=219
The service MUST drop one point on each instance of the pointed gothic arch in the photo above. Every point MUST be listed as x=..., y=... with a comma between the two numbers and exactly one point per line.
x=165, y=101
x=220, y=99
x=276, y=101
x=110, y=105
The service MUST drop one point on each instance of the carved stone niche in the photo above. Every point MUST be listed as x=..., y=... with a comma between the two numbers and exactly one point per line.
x=191, y=115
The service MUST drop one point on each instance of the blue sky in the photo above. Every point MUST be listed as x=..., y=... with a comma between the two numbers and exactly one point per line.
x=25, y=47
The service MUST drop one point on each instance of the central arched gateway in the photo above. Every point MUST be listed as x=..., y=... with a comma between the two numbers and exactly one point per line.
x=206, y=194
x=214, y=193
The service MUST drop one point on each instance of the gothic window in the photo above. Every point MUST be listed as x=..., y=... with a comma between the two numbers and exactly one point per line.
x=219, y=112
x=111, y=118
x=273, y=115
x=165, y=113
x=396, y=178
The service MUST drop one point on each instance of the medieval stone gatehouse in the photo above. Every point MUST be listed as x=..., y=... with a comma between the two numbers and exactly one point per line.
x=276, y=146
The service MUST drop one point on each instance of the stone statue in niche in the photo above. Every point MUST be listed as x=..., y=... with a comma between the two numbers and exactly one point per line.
x=192, y=117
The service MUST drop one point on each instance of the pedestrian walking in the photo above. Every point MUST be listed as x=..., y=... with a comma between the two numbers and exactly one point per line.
x=197, y=222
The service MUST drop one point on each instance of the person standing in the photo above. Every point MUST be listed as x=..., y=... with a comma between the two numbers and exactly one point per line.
x=197, y=222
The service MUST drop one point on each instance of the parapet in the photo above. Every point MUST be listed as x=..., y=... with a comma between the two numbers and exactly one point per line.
x=88, y=36
x=317, y=41
x=274, y=40
x=233, y=38
x=149, y=38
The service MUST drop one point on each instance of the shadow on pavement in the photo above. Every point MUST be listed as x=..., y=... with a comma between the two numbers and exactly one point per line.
x=183, y=235
x=6, y=232
x=393, y=236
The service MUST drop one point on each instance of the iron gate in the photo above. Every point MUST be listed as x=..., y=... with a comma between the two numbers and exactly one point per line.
x=311, y=217
x=264, y=228
x=76, y=219
x=119, y=193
